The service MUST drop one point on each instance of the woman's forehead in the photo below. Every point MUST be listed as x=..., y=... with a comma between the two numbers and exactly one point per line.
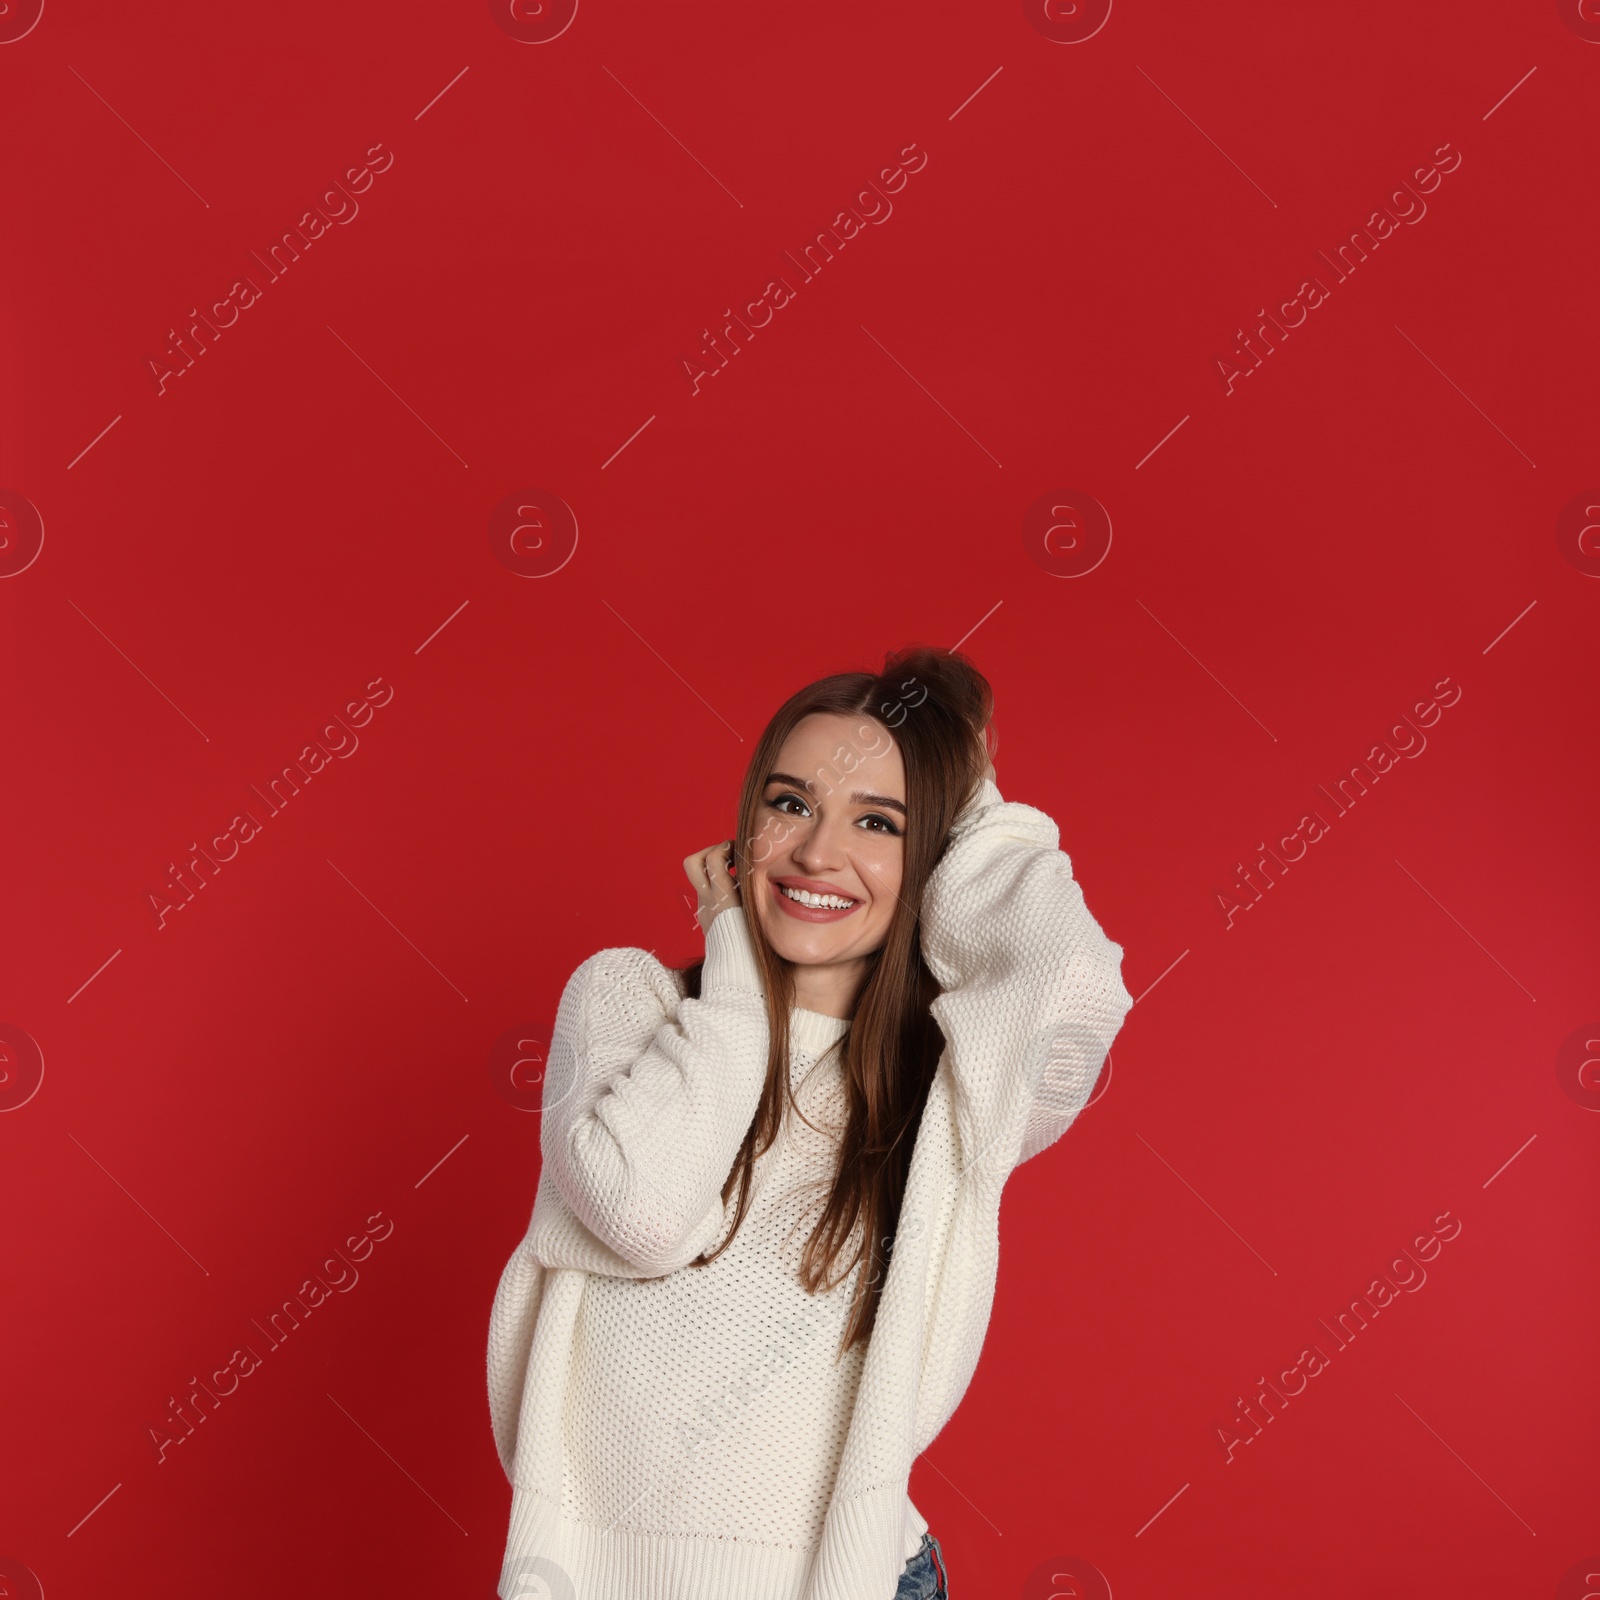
x=831, y=745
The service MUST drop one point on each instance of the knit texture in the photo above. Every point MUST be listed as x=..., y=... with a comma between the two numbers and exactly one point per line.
x=689, y=1434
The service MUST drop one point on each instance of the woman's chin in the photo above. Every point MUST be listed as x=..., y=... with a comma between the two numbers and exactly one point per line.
x=806, y=947
x=803, y=950
x=816, y=947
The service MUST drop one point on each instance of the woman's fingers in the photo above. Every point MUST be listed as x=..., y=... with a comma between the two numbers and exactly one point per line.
x=714, y=883
x=719, y=881
x=702, y=865
x=699, y=865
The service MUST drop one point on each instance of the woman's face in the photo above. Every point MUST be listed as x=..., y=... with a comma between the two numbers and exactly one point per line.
x=831, y=827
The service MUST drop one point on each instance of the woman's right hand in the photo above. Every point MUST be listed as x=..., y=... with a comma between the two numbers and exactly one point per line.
x=708, y=871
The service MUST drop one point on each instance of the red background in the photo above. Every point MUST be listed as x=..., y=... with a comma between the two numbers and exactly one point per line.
x=301, y=1047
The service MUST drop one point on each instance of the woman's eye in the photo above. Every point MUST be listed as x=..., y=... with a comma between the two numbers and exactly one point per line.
x=884, y=824
x=781, y=804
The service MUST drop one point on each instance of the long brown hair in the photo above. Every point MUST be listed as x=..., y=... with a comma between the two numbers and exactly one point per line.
x=936, y=706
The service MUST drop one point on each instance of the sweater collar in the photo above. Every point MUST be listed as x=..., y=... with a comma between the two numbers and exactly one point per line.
x=812, y=1032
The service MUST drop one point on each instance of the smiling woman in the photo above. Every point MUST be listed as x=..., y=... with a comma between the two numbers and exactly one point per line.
x=763, y=1251
x=840, y=861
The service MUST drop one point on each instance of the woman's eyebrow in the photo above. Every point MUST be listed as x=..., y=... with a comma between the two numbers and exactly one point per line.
x=861, y=797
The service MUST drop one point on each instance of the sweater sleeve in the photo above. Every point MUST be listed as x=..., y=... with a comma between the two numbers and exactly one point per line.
x=649, y=1096
x=1033, y=988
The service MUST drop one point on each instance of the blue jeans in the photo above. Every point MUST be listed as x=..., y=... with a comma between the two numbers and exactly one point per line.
x=924, y=1577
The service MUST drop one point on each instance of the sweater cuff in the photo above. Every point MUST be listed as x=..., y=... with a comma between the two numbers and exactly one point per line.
x=730, y=958
x=986, y=795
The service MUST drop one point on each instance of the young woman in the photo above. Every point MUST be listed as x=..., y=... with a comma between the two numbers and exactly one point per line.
x=763, y=1248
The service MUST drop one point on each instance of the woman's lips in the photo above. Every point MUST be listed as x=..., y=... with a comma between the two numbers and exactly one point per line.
x=810, y=913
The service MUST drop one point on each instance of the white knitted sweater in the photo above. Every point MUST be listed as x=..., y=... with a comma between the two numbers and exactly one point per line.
x=648, y=1097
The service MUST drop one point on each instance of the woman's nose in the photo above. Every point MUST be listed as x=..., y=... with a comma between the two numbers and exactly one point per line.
x=821, y=849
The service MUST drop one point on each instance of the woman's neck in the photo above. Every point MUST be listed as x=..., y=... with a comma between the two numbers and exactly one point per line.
x=829, y=987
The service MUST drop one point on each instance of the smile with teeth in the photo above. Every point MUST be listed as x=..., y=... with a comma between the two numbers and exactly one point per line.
x=824, y=902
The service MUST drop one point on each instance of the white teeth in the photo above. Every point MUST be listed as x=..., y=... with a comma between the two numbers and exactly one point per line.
x=827, y=902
